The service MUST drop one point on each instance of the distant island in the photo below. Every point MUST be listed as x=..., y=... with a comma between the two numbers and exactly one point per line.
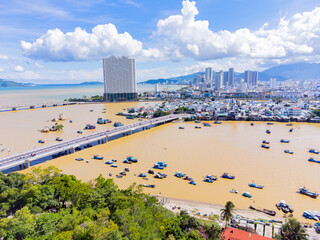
x=7, y=83
x=91, y=83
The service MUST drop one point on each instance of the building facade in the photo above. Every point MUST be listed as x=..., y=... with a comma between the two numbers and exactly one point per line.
x=231, y=77
x=119, y=74
x=251, y=78
x=218, y=80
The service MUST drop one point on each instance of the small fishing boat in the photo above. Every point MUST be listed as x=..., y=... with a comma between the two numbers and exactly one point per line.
x=288, y=151
x=109, y=162
x=284, y=141
x=150, y=172
x=114, y=160
x=247, y=194
x=87, y=161
x=268, y=131
x=197, y=127
x=313, y=151
x=123, y=173
x=269, y=123
x=79, y=159
x=310, y=215
x=91, y=110
x=40, y=141
x=265, y=146
x=181, y=127
x=226, y=175
x=192, y=182
x=187, y=178
x=148, y=185
x=197, y=121
x=119, y=176
x=110, y=174
x=305, y=191
x=284, y=207
x=313, y=160
x=59, y=139
x=70, y=121
x=206, y=124
x=269, y=212
x=291, y=130
x=117, y=124
x=251, y=124
x=265, y=142
x=160, y=175
x=234, y=191
x=98, y=157
x=179, y=174
x=142, y=175
x=217, y=122
x=114, y=166
x=160, y=165
x=79, y=132
x=132, y=159
x=289, y=124
x=127, y=169
x=89, y=127
x=254, y=185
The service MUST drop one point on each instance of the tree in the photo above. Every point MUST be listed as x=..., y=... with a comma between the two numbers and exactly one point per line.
x=227, y=212
x=292, y=230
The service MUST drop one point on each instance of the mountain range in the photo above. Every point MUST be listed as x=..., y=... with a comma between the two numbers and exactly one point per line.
x=7, y=83
x=296, y=71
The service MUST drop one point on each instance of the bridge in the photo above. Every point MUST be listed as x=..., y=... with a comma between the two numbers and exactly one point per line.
x=24, y=159
x=7, y=108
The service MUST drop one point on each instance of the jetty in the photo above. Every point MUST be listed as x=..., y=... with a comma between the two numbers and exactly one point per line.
x=23, y=160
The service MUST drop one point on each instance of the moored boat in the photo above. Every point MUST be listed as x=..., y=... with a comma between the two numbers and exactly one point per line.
x=197, y=127
x=234, y=191
x=40, y=141
x=254, y=185
x=268, y=131
x=288, y=151
x=131, y=159
x=109, y=162
x=251, y=124
x=265, y=142
x=59, y=139
x=269, y=123
x=206, y=124
x=179, y=174
x=291, y=130
x=247, y=194
x=181, y=127
x=289, y=124
x=310, y=215
x=226, y=175
x=313, y=160
x=217, y=122
x=305, y=191
x=79, y=159
x=98, y=157
x=284, y=141
x=265, y=146
x=313, y=151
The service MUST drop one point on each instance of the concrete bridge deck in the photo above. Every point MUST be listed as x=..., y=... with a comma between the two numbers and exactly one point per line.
x=23, y=159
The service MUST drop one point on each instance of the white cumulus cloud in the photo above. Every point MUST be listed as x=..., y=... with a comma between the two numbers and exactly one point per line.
x=79, y=45
x=18, y=68
x=3, y=57
x=299, y=35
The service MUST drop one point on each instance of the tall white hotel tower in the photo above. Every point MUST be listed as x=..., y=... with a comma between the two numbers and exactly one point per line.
x=119, y=75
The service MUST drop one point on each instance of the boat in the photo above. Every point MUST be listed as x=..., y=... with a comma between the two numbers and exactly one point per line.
x=289, y=124
x=269, y=212
x=126, y=161
x=217, y=122
x=316, y=213
x=313, y=160
x=132, y=159
x=305, y=191
x=265, y=142
x=268, y=131
x=291, y=130
x=234, y=191
x=197, y=121
x=192, y=182
x=160, y=175
x=150, y=172
x=269, y=123
x=187, y=178
x=79, y=132
x=89, y=127
x=109, y=162
x=181, y=127
x=40, y=141
x=254, y=185
x=98, y=157
x=87, y=161
x=226, y=175
x=127, y=169
x=59, y=139
x=265, y=146
x=284, y=141
x=251, y=124
x=288, y=151
x=310, y=215
x=284, y=207
x=179, y=174
x=142, y=175
x=101, y=121
x=206, y=124
x=197, y=127
x=123, y=173
x=313, y=151
x=160, y=165
x=114, y=165
x=210, y=178
x=114, y=160
x=79, y=159
x=148, y=185
x=117, y=124
x=247, y=194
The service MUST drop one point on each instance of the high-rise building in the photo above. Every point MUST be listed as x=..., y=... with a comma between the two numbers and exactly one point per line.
x=218, y=80
x=156, y=88
x=273, y=83
x=225, y=78
x=119, y=75
x=251, y=78
x=231, y=77
x=209, y=77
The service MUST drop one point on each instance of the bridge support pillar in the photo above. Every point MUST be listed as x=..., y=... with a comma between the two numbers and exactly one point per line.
x=27, y=164
x=106, y=139
x=98, y=141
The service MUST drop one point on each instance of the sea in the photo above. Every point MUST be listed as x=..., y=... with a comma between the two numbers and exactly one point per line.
x=51, y=93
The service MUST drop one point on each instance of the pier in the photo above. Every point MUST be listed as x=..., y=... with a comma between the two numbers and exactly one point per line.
x=24, y=160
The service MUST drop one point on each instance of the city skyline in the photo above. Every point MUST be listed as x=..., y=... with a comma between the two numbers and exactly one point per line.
x=55, y=42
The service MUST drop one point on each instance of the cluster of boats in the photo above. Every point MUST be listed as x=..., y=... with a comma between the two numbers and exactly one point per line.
x=284, y=207
x=185, y=177
x=130, y=160
x=103, y=121
x=89, y=127
x=206, y=124
x=160, y=165
x=210, y=178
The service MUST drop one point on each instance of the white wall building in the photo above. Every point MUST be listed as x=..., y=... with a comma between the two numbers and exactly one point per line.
x=119, y=75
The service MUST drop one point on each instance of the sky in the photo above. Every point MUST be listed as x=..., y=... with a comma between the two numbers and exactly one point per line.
x=64, y=41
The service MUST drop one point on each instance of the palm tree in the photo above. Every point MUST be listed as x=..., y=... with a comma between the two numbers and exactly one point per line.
x=227, y=212
x=292, y=229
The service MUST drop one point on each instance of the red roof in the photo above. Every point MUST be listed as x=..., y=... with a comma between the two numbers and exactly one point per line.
x=236, y=234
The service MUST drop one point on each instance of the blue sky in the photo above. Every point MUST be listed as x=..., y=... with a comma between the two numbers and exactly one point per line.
x=64, y=41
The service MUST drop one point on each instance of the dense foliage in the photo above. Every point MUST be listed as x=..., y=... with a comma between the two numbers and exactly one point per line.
x=47, y=204
x=292, y=230
x=160, y=113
